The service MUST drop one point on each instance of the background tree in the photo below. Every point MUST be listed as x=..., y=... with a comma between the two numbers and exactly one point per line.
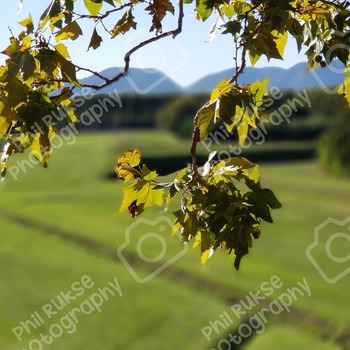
x=333, y=150
x=223, y=203
x=177, y=114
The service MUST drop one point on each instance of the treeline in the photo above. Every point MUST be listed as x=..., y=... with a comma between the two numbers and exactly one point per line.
x=311, y=112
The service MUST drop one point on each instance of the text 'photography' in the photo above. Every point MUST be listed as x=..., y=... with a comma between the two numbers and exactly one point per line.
x=175, y=175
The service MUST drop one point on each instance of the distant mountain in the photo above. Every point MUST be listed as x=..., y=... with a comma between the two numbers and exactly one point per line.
x=294, y=78
x=153, y=81
x=140, y=81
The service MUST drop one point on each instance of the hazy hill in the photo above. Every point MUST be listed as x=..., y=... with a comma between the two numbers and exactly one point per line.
x=140, y=81
x=146, y=81
x=293, y=78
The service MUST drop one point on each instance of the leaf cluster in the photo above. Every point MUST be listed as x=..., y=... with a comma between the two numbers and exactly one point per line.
x=220, y=205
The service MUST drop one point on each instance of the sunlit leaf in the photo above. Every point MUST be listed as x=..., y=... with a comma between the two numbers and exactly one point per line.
x=53, y=10
x=255, y=174
x=28, y=23
x=41, y=148
x=206, y=248
x=148, y=196
x=129, y=196
x=131, y=158
x=222, y=88
x=125, y=23
x=125, y=172
x=206, y=118
x=126, y=163
x=345, y=87
x=56, y=21
x=62, y=50
x=93, y=6
x=4, y=125
x=281, y=41
x=197, y=240
x=242, y=130
x=26, y=43
x=12, y=48
x=148, y=174
x=70, y=31
x=254, y=56
x=203, y=11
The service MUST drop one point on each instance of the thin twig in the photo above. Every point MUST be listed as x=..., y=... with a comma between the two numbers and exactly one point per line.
x=106, y=14
x=127, y=56
x=92, y=72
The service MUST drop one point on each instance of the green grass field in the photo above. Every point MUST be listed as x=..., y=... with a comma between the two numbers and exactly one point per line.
x=61, y=223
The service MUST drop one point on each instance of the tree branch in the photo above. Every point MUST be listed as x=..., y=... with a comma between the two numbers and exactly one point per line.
x=173, y=33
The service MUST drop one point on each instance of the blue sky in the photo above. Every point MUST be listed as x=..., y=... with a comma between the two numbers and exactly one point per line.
x=189, y=57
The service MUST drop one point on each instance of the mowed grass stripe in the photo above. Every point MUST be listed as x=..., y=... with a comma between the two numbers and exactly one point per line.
x=75, y=195
x=37, y=267
x=295, y=317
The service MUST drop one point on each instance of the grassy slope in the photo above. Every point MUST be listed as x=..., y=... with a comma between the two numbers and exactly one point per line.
x=73, y=194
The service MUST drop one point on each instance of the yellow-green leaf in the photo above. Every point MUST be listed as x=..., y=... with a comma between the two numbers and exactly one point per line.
x=56, y=21
x=242, y=130
x=26, y=43
x=28, y=23
x=205, y=120
x=149, y=196
x=125, y=172
x=345, y=87
x=253, y=57
x=62, y=50
x=12, y=48
x=259, y=89
x=203, y=9
x=126, y=163
x=254, y=175
x=130, y=195
x=228, y=10
x=131, y=158
x=125, y=23
x=70, y=31
x=223, y=87
x=93, y=6
x=206, y=255
x=197, y=239
x=281, y=40
x=41, y=147
x=4, y=125
x=147, y=174
x=206, y=247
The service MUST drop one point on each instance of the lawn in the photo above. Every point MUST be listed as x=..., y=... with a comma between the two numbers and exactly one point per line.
x=75, y=197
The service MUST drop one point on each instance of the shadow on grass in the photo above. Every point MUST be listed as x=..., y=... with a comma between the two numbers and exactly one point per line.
x=167, y=165
x=238, y=338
